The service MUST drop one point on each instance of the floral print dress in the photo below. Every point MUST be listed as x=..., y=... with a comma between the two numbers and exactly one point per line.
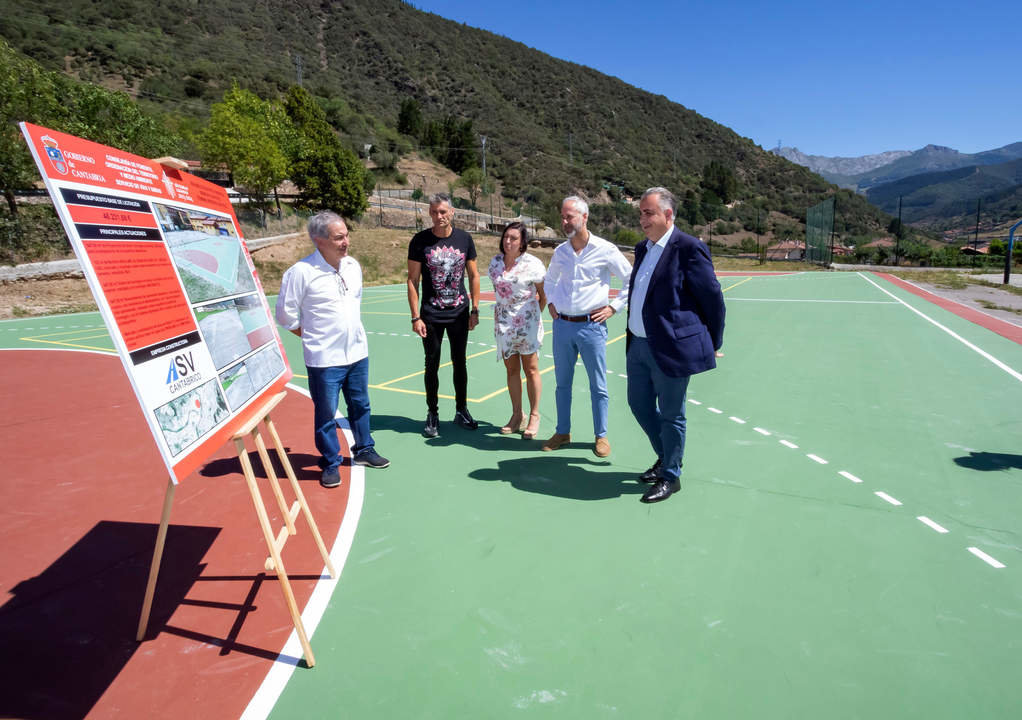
x=517, y=320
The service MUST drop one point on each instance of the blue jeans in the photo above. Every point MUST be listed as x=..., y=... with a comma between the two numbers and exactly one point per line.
x=658, y=403
x=589, y=340
x=325, y=384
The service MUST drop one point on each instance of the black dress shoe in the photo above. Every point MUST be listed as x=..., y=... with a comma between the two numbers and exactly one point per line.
x=662, y=490
x=653, y=474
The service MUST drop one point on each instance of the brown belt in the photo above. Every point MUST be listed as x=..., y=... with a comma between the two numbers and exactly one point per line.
x=574, y=318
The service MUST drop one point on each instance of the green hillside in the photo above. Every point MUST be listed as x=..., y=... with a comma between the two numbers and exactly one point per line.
x=552, y=127
x=933, y=199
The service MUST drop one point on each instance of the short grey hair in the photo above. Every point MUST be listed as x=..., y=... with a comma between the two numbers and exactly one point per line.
x=438, y=198
x=665, y=199
x=319, y=224
x=580, y=205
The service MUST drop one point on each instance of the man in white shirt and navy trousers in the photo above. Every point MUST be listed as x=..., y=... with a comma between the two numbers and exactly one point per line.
x=578, y=293
x=320, y=302
x=675, y=327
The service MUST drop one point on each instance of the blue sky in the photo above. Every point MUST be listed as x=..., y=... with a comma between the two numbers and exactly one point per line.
x=846, y=78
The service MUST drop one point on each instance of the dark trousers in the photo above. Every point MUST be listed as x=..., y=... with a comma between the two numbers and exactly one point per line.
x=457, y=335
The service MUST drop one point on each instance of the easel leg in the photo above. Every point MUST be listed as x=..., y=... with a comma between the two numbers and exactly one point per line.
x=286, y=462
x=264, y=523
x=154, y=567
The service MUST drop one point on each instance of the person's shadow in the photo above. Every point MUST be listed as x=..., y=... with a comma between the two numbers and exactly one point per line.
x=486, y=437
x=561, y=476
x=986, y=461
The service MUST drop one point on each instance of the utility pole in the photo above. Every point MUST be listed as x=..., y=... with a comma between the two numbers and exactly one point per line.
x=897, y=235
x=571, y=152
x=484, y=158
x=298, y=67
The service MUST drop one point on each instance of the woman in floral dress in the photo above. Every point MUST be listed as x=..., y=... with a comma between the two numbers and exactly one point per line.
x=518, y=323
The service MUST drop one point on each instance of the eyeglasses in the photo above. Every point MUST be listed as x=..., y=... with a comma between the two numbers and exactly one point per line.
x=342, y=286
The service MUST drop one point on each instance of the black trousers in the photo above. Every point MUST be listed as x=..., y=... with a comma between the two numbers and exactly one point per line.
x=457, y=335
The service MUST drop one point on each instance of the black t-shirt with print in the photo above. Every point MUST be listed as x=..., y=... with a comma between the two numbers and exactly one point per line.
x=443, y=260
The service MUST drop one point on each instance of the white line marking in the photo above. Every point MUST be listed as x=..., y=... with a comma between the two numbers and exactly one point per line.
x=959, y=338
x=884, y=496
x=816, y=458
x=761, y=431
x=840, y=302
x=792, y=445
x=694, y=402
x=926, y=521
x=992, y=562
x=737, y=420
x=846, y=474
x=280, y=672
x=715, y=410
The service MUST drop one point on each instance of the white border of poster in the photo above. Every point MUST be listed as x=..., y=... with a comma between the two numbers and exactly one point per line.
x=164, y=256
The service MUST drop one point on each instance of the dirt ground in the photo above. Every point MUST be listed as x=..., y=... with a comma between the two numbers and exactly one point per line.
x=382, y=254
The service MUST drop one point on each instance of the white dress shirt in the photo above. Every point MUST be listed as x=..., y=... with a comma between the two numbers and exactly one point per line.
x=325, y=303
x=649, y=262
x=578, y=283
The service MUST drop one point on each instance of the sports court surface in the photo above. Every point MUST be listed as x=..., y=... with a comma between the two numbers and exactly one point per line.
x=846, y=542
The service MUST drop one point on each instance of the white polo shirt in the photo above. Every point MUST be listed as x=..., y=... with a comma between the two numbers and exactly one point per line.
x=325, y=303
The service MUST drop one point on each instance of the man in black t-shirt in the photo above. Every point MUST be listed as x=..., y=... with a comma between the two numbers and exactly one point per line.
x=441, y=257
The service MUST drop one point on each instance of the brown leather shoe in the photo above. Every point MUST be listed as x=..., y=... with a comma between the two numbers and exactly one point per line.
x=602, y=447
x=555, y=441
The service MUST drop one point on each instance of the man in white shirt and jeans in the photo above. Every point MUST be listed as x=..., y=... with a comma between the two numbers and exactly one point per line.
x=578, y=294
x=320, y=300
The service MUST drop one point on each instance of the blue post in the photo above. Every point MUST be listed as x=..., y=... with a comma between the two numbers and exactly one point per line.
x=1007, y=256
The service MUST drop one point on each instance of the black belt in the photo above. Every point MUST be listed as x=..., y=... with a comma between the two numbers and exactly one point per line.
x=574, y=318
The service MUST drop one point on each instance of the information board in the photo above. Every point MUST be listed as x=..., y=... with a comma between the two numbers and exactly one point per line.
x=164, y=256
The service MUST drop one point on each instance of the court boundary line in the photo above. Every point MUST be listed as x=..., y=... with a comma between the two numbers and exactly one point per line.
x=283, y=667
x=982, y=353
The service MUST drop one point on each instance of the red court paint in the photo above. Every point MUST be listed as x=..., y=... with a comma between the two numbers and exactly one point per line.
x=1002, y=328
x=80, y=502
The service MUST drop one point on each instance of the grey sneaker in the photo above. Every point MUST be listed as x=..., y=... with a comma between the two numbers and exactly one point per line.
x=432, y=428
x=371, y=458
x=331, y=478
x=463, y=418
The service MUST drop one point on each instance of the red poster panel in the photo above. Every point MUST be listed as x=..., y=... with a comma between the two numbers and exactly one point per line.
x=164, y=256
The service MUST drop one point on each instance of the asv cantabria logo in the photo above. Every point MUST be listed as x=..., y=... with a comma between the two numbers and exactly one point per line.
x=181, y=373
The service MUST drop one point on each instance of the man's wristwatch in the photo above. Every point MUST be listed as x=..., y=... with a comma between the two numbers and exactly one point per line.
x=415, y=318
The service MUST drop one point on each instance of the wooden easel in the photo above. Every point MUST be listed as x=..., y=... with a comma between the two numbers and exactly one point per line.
x=275, y=544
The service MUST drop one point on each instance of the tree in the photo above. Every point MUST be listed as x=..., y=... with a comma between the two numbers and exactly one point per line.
x=328, y=175
x=409, y=118
x=249, y=136
x=475, y=184
x=720, y=180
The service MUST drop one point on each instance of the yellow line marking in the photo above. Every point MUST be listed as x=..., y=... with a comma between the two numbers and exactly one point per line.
x=383, y=386
x=67, y=344
x=70, y=332
x=36, y=338
x=737, y=284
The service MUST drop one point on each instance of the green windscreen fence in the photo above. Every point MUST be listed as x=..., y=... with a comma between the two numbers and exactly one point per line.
x=819, y=228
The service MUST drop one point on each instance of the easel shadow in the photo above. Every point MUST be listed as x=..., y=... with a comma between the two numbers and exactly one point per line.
x=305, y=465
x=67, y=633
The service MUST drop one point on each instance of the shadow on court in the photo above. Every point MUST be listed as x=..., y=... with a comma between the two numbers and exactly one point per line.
x=305, y=465
x=986, y=461
x=67, y=633
x=562, y=476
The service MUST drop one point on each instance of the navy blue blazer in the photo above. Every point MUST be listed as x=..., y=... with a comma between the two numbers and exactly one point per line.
x=684, y=308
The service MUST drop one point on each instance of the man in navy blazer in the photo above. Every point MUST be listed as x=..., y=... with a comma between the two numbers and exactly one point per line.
x=675, y=327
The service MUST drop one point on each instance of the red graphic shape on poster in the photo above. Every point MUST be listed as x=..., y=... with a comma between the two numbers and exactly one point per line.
x=141, y=289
